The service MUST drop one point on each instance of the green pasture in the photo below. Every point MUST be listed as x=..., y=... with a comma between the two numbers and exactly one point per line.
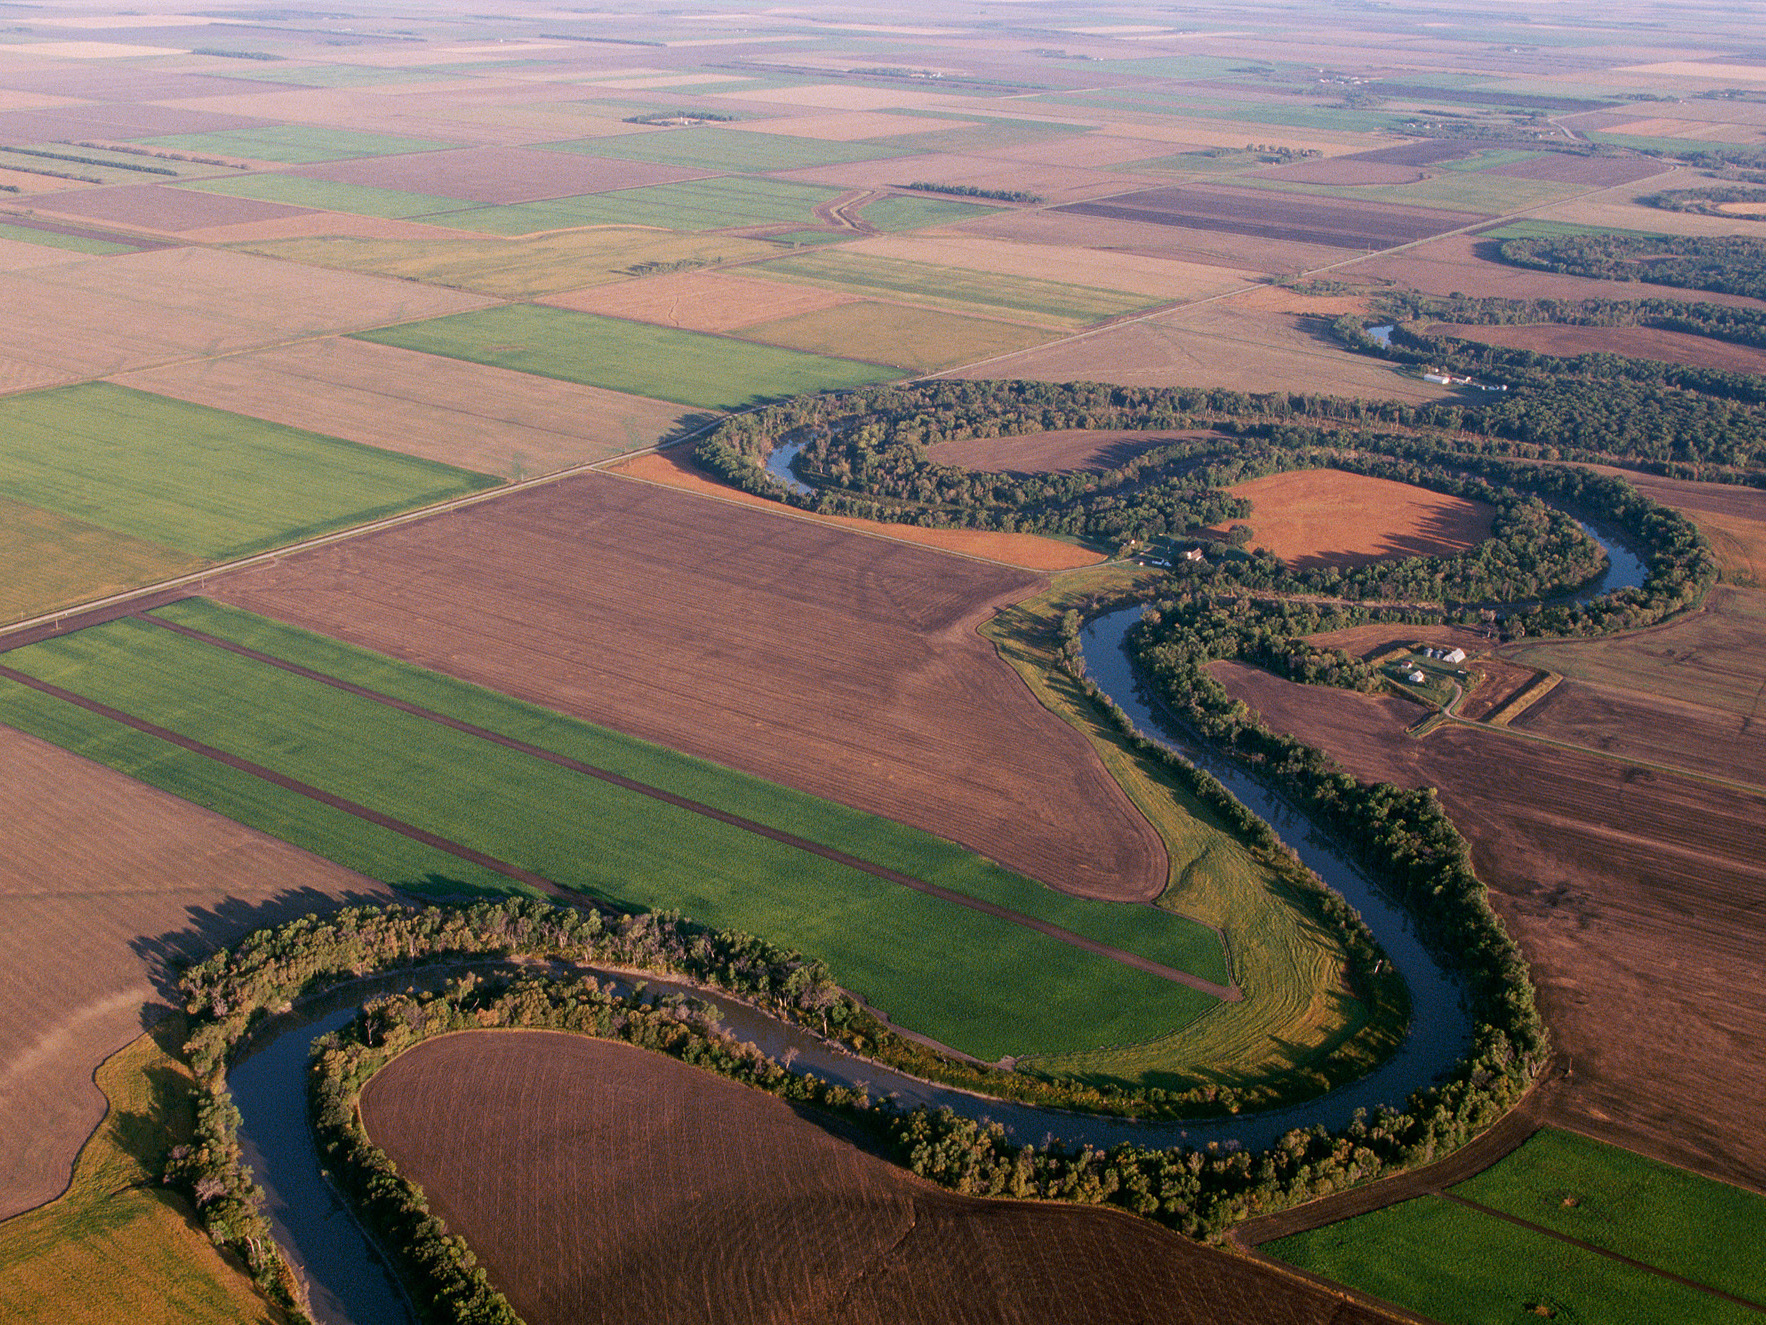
x=723, y=202
x=1557, y=230
x=330, y=196
x=702, y=147
x=197, y=480
x=1671, y=146
x=1464, y=191
x=1054, y=301
x=1460, y=1266
x=981, y=984
x=1699, y=1229
x=53, y=561
x=1488, y=159
x=713, y=372
x=989, y=135
x=72, y=243
x=517, y=268
x=294, y=144
x=898, y=212
x=917, y=339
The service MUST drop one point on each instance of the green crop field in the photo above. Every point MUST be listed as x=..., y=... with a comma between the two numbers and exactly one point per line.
x=702, y=148
x=725, y=202
x=1486, y=160
x=1699, y=1229
x=1465, y=191
x=984, y=985
x=294, y=144
x=897, y=213
x=72, y=243
x=201, y=481
x=328, y=196
x=1055, y=302
x=1460, y=1266
x=517, y=268
x=683, y=366
x=1556, y=229
x=919, y=339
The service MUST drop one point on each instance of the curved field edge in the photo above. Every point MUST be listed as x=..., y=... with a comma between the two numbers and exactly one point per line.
x=117, y=1244
x=1300, y=1029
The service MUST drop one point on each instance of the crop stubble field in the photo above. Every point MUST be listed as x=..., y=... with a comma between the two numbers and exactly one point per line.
x=845, y=667
x=1633, y=893
x=1326, y=517
x=602, y=1183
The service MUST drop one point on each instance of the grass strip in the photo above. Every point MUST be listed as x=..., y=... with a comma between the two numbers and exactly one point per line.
x=985, y=986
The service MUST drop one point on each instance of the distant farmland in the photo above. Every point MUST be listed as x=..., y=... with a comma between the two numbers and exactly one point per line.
x=1309, y=220
x=600, y=1183
x=635, y=357
x=987, y=985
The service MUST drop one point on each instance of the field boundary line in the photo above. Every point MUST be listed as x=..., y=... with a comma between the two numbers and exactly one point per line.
x=1225, y=993
x=1669, y=1275
x=282, y=780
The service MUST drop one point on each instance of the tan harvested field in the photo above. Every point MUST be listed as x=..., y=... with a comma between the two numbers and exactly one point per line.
x=1214, y=345
x=16, y=254
x=249, y=235
x=497, y=174
x=1713, y=656
x=847, y=126
x=107, y=315
x=1634, y=342
x=701, y=300
x=1160, y=278
x=602, y=1183
x=1326, y=517
x=1635, y=895
x=1087, y=149
x=1653, y=729
x=1191, y=133
x=844, y=666
x=159, y=208
x=1059, y=452
x=106, y=881
x=28, y=184
x=675, y=469
x=1454, y=263
x=492, y=420
x=1345, y=170
x=1615, y=210
x=917, y=339
x=513, y=268
x=1215, y=248
x=55, y=561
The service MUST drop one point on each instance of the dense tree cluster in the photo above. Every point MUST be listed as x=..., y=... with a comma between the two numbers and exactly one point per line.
x=1709, y=200
x=1726, y=264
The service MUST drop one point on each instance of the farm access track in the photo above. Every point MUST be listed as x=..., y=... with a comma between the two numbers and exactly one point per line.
x=1226, y=993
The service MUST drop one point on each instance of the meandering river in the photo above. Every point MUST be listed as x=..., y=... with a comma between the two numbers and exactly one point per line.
x=349, y=1285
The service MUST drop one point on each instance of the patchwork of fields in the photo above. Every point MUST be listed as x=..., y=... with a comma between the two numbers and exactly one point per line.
x=271, y=277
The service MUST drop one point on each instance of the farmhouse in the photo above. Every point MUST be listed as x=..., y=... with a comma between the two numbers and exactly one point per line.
x=1415, y=676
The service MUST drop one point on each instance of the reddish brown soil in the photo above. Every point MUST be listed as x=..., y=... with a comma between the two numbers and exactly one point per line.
x=1653, y=729
x=157, y=207
x=1634, y=342
x=1272, y=215
x=1325, y=517
x=498, y=174
x=1499, y=682
x=113, y=121
x=1053, y=452
x=847, y=667
x=1211, y=247
x=1636, y=895
x=106, y=882
x=601, y=1183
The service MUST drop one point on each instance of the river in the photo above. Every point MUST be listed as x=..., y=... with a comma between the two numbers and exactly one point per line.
x=349, y=1286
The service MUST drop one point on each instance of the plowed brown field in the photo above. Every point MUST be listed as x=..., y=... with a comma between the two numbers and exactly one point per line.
x=157, y=207
x=105, y=882
x=1215, y=248
x=492, y=420
x=844, y=666
x=1653, y=729
x=1271, y=215
x=601, y=1183
x=673, y=468
x=1636, y=894
x=1326, y=517
x=1634, y=342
